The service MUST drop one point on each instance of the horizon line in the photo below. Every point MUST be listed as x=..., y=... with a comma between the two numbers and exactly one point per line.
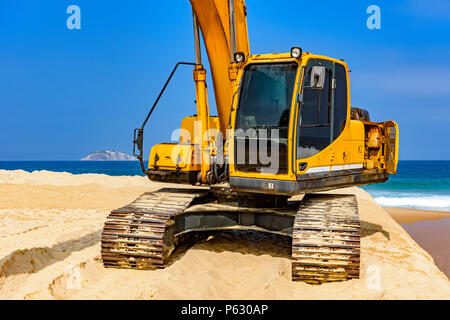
x=145, y=160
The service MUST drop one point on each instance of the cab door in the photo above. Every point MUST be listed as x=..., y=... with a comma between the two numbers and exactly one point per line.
x=321, y=119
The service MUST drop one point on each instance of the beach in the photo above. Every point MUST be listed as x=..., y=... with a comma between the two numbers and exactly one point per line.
x=430, y=230
x=50, y=227
x=406, y=216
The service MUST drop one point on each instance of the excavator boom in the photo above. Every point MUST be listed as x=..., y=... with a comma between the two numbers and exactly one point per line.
x=223, y=36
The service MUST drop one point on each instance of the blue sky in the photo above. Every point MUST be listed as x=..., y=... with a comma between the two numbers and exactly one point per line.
x=66, y=93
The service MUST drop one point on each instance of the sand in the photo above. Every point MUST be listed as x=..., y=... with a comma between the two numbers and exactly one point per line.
x=50, y=225
x=430, y=230
x=433, y=236
x=404, y=216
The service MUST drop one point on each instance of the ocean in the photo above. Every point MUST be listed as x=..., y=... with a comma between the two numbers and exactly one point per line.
x=417, y=184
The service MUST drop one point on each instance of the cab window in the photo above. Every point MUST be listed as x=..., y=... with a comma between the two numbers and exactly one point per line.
x=322, y=112
x=340, y=100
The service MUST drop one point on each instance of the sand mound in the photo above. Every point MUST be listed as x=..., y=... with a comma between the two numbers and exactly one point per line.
x=53, y=252
x=44, y=177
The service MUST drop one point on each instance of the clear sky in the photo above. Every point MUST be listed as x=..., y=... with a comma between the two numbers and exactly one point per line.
x=65, y=93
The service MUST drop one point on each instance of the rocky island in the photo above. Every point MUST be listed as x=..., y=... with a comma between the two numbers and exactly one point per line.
x=108, y=155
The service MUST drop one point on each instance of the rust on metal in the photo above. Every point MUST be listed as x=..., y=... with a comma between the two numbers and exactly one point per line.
x=325, y=229
x=326, y=239
x=140, y=235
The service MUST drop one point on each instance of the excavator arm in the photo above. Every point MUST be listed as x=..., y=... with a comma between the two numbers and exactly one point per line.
x=223, y=35
x=223, y=25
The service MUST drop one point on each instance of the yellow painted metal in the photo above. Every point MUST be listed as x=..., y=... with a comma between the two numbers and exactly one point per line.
x=185, y=155
x=203, y=115
x=240, y=17
x=357, y=148
x=190, y=130
x=174, y=157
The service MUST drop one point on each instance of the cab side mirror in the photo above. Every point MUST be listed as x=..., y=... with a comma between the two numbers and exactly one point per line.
x=317, y=77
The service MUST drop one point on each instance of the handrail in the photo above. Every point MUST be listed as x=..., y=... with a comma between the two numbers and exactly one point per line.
x=138, y=138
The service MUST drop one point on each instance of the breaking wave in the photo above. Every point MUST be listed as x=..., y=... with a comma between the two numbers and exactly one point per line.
x=441, y=203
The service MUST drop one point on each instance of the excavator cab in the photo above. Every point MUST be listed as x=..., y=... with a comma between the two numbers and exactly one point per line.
x=294, y=132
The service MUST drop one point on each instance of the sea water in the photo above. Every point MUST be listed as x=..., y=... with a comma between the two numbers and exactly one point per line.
x=417, y=184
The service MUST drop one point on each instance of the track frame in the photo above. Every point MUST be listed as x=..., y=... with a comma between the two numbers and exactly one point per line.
x=324, y=229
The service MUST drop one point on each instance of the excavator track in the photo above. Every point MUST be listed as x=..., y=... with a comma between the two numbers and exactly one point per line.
x=140, y=235
x=326, y=239
x=325, y=231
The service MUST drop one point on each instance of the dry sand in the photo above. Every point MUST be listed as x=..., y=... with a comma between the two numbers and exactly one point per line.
x=50, y=225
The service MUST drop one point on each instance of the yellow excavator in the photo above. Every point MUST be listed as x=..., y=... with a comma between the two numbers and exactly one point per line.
x=284, y=128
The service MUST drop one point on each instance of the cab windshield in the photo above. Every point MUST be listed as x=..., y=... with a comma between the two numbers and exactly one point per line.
x=262, y=123
x=266, y=96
